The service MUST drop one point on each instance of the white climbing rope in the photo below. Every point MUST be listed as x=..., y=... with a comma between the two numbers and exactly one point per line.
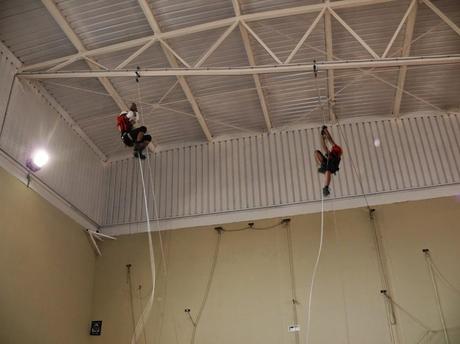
x=315, y=269
x=321, y=239
x=148, y=306
x=139, y=329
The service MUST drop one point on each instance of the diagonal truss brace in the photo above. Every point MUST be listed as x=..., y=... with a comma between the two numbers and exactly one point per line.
x=77, y=43
x=252, y=62
x=173, y=62
x=138, y=42
x=441, y=15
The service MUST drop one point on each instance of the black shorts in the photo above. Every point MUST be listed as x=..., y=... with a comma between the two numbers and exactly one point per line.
x=129, y=138
x=330, y=162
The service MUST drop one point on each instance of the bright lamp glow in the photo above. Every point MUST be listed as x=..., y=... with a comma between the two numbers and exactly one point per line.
x=377, y=143
x=40, y=158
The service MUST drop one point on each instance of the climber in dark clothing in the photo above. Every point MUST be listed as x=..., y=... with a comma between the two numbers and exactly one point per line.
x=328, y=163
x=130, y=135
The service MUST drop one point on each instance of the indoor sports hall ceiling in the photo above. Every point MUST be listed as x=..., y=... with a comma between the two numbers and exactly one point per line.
x=53, y=38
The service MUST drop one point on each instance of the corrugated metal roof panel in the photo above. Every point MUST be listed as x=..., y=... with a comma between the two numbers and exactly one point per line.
x=360, y=94
x=230, y=104
x=293, y=98
x=282, y=35
x=192, y=47
x=177, y=14
x=102, y=22
x=432, y=35
x=375, y=24
x=30, y=32
x=437, y=85
x=251, y=6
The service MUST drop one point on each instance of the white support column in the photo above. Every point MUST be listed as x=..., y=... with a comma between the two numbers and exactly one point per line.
x=172, y=61
x=252, y=62
x=354, y=34
x=409, y=32
x=329, y=57
x=72, y=36
x=441, y=15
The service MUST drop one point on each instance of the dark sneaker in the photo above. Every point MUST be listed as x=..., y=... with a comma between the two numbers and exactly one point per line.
x=322, y=169
x=326, y=191
x=142, y=156
x=136, y=154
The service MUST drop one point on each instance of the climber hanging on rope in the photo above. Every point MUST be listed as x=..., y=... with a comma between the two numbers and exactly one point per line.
x=131, y=135
x=328, y=163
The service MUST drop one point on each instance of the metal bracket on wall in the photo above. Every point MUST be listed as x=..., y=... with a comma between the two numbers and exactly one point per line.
x=96, y=235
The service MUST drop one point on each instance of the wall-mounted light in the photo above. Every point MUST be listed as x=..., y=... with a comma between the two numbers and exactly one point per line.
x=37, y=160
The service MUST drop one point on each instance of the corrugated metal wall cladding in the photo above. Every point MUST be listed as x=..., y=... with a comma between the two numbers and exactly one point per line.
x=74, y=171
x=31, y=33
x=176, y=14
x=277, y=169
x=105, y=22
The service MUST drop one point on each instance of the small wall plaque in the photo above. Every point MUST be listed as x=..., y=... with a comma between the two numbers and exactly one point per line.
x=96, y=327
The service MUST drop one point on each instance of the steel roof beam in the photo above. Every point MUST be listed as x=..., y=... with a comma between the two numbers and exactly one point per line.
x=322, y=65
x=441, y=15
x=171, y=55
x=409, y=32
x=335, y=5
x=329, y=57
x=78, y=44
x=252, y=62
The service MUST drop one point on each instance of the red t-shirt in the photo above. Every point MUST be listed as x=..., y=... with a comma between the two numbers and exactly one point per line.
x=336, y=150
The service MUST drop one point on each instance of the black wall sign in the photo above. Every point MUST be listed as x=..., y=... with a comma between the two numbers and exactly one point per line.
x=96, y=327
